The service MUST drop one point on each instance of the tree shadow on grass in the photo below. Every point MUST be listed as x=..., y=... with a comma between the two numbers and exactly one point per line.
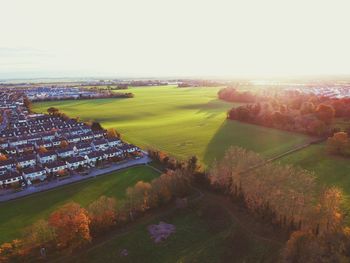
x=266, y=141
x=211, y=108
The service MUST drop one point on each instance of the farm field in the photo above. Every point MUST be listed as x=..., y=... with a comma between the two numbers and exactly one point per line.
x=180, y=121
x=17, y=214
x=205, y=232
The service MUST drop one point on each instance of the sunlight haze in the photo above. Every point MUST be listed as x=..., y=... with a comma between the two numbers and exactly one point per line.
x=159, y=38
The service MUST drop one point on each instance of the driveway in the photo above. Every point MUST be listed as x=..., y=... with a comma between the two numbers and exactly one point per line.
x=94, y=172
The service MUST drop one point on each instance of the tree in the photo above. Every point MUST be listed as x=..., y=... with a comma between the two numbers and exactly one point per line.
x=330, y=217
x=307, y=108
x=96, y=126
x=27, y=103
x=139, y=196
x=302, y=247
x=3, y=157
x=112, y=133
x=325, y=113
x=102, y=214
x=42, y=149
x=339, y=143
x=71, y=225
x=64, y=144
x=317, y=127
x=40, y=234
x=53, y=111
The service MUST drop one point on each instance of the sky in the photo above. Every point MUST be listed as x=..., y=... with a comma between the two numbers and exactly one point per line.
x=177, y=38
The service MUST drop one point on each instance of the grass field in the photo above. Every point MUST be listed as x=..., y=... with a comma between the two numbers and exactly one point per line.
x=17, y=214
x=201, y=236
x=180, y=121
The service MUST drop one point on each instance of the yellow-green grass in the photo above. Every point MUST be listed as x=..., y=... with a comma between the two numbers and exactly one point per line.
x=180, y=121
x=17, y=214
x=330, y=169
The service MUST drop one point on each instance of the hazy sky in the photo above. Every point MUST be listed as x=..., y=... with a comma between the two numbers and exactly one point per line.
x=48, y=38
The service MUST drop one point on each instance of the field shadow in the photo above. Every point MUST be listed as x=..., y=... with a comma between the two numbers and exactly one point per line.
x=211, y=108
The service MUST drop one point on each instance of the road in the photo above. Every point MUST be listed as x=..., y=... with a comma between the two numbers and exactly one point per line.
x=75, y=178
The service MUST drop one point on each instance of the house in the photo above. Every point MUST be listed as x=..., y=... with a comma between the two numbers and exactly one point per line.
x=4, y=144
x=84, y=128
x=87, y=136
x=76, y=162
x=113, y=152
x=25, y=148
x=34, y=173
x=129, y=148
x=49, y=156
x=26, y=161
x=114, y=142
x=18, y=141
x=33, y=138
x=75, y=131
x=95, y=156
x=66, y=152
x=73, y=138
x=56, y=142
x=7, y=164
x=83, y=148
x=100, y=145
x=109, y=153
x=99, y=134
x=45, y=144
x=55, y=167
x=10, y=178
x=48, y=135
x=11, y=150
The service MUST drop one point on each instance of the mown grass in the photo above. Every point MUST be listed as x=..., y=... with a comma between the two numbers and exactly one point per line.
x=17, y=214
x=180, y=121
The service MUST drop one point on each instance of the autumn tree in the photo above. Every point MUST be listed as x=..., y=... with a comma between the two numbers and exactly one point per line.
x=42, y=149
x=3, y=157
x=96, y=126
x=11, y=251
x=38, y=235
x=302, y=247
x=139, y=196
x=53, y=111
x=325, y=113
x=71, y=226
x=339, y=144
x=112, y=133
x=64, y=144
x=102, y=214
x=329, y=212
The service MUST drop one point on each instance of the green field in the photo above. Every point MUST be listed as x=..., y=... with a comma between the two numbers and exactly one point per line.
x=180, y=121
x=201, y=236
x=17, y=214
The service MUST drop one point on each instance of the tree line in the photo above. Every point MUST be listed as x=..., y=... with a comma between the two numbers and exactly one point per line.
x=290, y=111
x=72, y=226
x=290, y=199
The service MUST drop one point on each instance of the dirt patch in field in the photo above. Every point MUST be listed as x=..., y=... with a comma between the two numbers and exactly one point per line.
x=161, y=232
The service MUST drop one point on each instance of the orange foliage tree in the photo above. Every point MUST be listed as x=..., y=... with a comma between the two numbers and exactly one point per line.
x=339, y=143
x=42, y=149
x=325, y=113
x=3, y=157
x=103, y=214
x=71, y=225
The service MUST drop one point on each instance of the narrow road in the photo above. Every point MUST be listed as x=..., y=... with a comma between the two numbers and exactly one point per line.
x=95, y=172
